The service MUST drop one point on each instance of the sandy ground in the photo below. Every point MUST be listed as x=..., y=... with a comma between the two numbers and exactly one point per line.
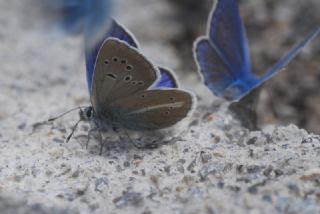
x=213, y=166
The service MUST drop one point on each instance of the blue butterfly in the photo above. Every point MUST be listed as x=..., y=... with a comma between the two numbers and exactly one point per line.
x=167, y=77
x=127, y=91
x=223, y=56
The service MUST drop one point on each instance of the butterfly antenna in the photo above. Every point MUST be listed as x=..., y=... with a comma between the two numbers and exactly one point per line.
x=67, y=112
x=73, y=130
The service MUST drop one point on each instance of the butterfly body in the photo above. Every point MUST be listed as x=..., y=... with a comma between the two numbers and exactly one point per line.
x=223, y=55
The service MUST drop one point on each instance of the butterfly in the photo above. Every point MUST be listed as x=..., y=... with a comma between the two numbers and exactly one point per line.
x=223, y=55
x=127, y=90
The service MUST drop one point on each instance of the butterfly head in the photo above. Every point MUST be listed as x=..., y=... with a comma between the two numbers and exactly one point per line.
x=86, y=114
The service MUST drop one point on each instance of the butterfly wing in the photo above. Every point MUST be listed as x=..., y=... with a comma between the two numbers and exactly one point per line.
x=223, y=58
x=215, y=72
x=289, y=56
x=167, y=79
x=227, y=34
x=116, y=31
x=120, y=71
x=152, y=109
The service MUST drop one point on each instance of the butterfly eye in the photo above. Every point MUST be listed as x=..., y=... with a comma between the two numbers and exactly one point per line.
x=115, y=59
x=129, y=67
x=111, y=75
x=106, y=61
x=128, y=78
x=143, y=96
x=124, y=61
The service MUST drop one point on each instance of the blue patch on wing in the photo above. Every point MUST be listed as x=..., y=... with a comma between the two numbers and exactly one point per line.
x=227, y=33
x=167, y=79
x=216, y=74
x=116, y=31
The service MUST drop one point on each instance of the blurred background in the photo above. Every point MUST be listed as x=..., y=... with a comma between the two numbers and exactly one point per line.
x=43, y=74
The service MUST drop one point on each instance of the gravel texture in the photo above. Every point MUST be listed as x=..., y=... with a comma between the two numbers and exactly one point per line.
x=210, y=165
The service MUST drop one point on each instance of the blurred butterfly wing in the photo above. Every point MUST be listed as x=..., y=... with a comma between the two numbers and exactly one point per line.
x=70, y=14
x=152, y=109
x=167, y=79
x=116, y=31
x=216, y=75
x=289, y=56
x=98, y=16
x=73, y=15
x=227, y=34
x=120, y=71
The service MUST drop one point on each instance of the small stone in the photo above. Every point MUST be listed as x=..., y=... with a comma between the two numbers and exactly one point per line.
x=253, y=169
x=81, y=188
x=267, y=198
x=101, y=183
x=205, y=157
x=58, y=140
x=234, y=188
x=180, y=168
x=220, y=184
x=293, y=187
x=126, y=164
x=252, y=141
x=211, y=168
x=137, y=157
x=192, y=165
x=75, y=174
x=311, y=175
x=167, y=169
x=22, y=126
x=278, y=172
x=129, y=198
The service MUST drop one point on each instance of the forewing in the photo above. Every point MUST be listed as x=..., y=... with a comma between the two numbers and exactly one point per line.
x=120, y=71
x=152, y=109
x=115, y=31
x=216, y=75
x=167, y=79
x=227, y=33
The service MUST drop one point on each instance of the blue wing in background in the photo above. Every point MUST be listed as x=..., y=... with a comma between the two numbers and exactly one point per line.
x=227, y=34
x=76, y=16
x=223, y=58
x=167, y=79
x=216, y=74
